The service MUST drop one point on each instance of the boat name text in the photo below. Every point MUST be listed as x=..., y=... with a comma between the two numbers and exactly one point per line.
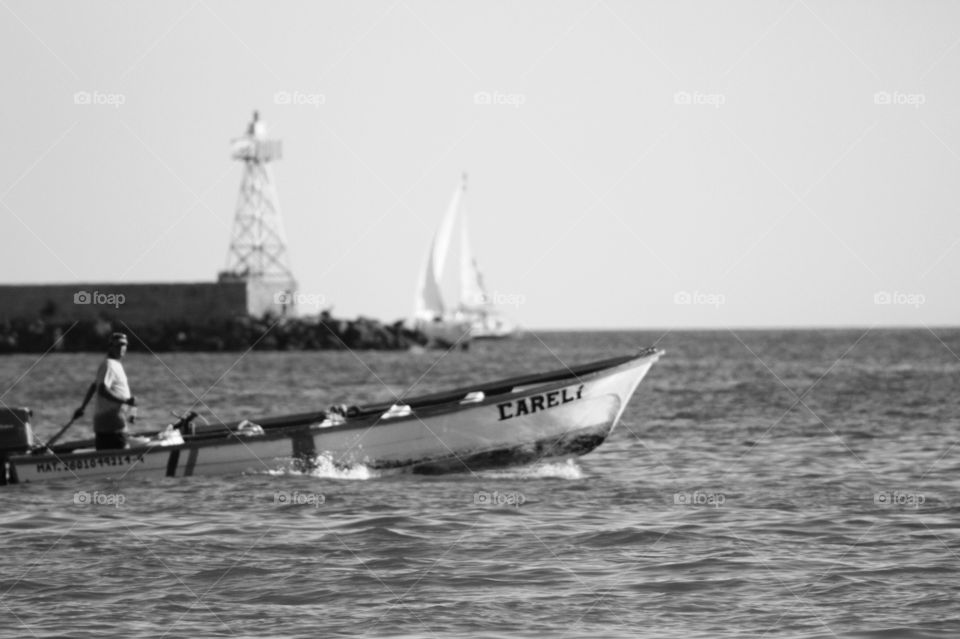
x=530, y=405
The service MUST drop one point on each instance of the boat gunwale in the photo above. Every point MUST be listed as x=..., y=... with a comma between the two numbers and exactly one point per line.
x=490, y=388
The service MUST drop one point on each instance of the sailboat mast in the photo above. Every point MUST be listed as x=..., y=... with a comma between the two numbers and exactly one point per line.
x=473, y=295
x=467, y=292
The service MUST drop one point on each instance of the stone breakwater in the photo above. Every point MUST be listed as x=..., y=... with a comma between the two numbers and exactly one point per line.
x=237, y=334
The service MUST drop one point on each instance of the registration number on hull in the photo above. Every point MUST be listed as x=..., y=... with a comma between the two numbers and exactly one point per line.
x=86, y=463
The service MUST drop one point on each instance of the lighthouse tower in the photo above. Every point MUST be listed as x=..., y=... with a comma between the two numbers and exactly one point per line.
x=258, y=246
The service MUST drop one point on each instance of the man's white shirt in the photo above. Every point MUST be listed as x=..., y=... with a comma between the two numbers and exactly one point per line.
x=114, y=379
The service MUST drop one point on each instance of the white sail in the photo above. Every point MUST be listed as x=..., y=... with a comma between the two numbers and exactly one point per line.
x=445, y=233
x=429, y=303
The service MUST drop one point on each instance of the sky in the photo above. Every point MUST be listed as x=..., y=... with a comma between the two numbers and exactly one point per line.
x=631, y=164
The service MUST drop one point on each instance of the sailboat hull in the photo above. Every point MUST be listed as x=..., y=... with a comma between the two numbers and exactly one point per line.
x=491, y=328
x=445, y=333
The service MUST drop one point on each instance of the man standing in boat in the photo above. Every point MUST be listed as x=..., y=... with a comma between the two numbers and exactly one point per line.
x=115, y=404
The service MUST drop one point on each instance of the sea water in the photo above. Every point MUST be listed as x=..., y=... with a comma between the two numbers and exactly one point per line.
x=761, y=483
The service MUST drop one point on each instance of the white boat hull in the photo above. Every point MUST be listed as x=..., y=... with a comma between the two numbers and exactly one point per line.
x=509, y=426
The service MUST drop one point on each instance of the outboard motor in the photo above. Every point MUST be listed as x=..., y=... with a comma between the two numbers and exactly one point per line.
x=16, y=437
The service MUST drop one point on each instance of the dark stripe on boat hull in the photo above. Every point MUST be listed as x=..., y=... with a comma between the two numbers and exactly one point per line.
x=172, y=463
x=304, y=450
x=191, y=462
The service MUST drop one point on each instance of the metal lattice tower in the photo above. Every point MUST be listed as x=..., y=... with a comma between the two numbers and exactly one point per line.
x=258, y=247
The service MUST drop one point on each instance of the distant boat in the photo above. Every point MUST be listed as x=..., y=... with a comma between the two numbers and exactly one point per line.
x=476, y=316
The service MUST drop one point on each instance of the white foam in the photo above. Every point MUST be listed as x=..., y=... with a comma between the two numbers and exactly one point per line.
x=325, y=468
x=566, y=469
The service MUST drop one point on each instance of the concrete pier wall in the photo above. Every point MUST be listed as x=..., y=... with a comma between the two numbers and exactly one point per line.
x=137, y=303
x=228, y=315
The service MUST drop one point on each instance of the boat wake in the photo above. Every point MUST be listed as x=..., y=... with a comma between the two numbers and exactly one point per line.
x=566, y=469
x=325, y=468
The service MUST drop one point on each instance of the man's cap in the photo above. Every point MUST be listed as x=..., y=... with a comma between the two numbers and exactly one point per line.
x=118, y=338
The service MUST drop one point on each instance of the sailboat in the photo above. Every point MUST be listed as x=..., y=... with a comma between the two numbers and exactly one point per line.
x=475, y=317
